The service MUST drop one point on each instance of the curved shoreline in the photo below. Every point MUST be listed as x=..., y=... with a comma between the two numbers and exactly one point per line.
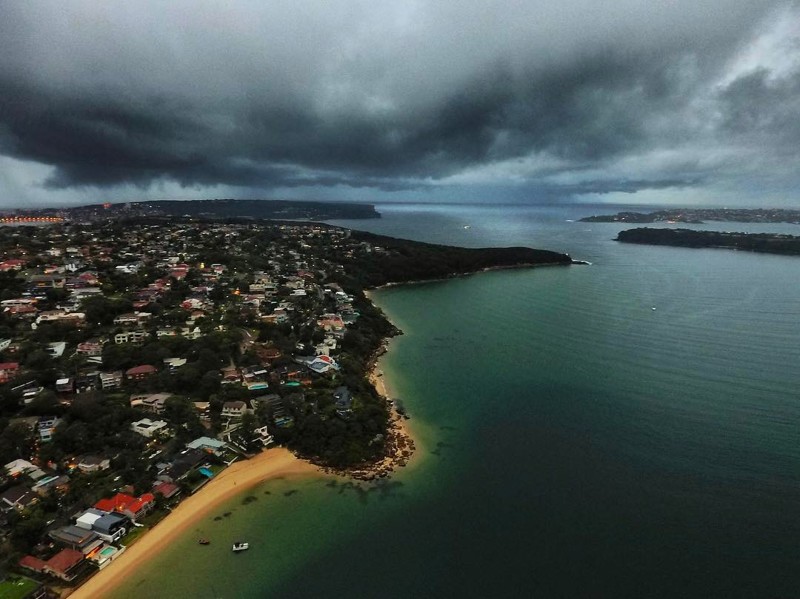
x=237, y=479
x=234, y=480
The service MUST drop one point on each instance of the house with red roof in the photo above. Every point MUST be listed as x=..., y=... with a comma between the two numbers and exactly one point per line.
x=11, y=264
x=24, y=310
x=62, y=565
x=133, y=507
x=139, y=373
x=167, y=489
x=8, y=371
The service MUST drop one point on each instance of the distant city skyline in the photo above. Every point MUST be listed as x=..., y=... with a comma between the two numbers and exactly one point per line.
x=681, y=103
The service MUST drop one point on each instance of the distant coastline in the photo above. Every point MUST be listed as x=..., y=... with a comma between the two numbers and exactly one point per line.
x=768, y=243
x=216, y=209
x=701, y=215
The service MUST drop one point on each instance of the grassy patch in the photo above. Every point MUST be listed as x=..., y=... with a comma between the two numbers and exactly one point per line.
x=133, y=536
x=154, y=517
x=16, y=587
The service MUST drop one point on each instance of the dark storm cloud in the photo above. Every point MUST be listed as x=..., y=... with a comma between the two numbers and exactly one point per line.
x=391, y=98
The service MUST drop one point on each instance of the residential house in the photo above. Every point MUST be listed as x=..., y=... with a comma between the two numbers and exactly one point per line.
x=56, y=349
x=208, y=445
x=47, y=427
x=133, y=507
x=183, y=464
x=130, y=337
x=64, y=564
x=173, y=364
x=106, y=524
x=92, y=347
x=49, y=483
x=166, y=490
x=8, y=371
x=18, y=467
x=76, y=538
x=230, y=374
x=152, y=402
x=110, y=380
x=23, y=311
x=132, y=318
x=322, y=364
x=11, y=264
x=53, y=281
x=18, y=497
x=93, y=463
x=233, y=409
x=263, y=436
x=149, y=428
x=65, y=385
x=140, y=373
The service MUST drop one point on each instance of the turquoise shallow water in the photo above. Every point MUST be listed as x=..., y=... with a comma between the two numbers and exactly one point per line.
x=577, y=442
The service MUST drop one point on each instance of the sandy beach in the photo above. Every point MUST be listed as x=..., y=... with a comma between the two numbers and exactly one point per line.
x=236, y=479
x=240, y=476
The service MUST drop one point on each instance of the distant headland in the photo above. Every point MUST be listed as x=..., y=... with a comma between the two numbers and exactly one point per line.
x=770, y=243
x=206, y=209
x=700, y=215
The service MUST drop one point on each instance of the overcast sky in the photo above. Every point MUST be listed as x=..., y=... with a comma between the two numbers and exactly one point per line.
x=681, y=101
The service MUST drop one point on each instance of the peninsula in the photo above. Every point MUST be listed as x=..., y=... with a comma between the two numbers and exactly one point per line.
x=216, y=209
x=770, y=243
x=700, y=215
x=140, y=357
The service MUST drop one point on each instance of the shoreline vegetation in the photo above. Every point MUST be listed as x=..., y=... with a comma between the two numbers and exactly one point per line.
x=767, y=243
x=699, y=215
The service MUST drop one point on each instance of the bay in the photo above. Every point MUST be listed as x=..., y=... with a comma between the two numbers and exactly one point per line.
x=574, y=441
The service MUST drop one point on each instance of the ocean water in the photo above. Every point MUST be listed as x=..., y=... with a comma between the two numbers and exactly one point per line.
x=625, y=429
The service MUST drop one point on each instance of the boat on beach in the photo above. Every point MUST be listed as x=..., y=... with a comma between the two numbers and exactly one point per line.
x=240, y=546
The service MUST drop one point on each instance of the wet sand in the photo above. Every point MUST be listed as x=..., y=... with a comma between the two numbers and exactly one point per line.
x=235, y=479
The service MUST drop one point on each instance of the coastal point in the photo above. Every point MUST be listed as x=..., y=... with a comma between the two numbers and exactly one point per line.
x=150, y=365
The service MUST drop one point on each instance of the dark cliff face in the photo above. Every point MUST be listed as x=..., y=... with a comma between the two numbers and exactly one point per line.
x=754, y=242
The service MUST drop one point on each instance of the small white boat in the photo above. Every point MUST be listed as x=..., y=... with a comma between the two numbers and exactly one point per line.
x=240, y=546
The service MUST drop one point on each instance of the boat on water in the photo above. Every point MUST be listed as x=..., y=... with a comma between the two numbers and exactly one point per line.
x=240, y=546
x=204, y=541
